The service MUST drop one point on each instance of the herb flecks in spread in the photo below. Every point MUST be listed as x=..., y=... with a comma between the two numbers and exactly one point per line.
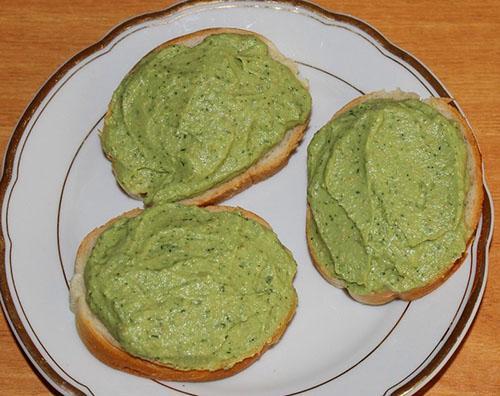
x=187, y=119
x=387, y=183
x=190, y=288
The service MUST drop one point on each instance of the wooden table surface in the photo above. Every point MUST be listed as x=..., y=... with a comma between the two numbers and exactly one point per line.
x=458, y=40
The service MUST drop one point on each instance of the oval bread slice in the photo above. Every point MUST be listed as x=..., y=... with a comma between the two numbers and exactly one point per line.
x=101, y=343
x=267, y=165
x=473, y=203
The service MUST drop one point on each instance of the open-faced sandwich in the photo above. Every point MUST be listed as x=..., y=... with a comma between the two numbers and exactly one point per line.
x=182, y=293
x=394, y=195
x=203, y=116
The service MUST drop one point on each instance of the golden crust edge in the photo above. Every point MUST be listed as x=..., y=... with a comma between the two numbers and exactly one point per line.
x=273, y=161
x=473, y=203
x=104, y=347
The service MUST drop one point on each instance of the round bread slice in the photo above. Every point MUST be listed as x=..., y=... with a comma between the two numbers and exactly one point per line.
x=473, y=204
x=102, y=344
x=270, y=163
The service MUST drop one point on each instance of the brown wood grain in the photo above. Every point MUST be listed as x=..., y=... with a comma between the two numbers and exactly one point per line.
x=458, y=40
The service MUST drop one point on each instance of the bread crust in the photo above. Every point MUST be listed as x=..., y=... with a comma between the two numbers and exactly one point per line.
x=103, y=346
x=266, y=166
x=473, y=207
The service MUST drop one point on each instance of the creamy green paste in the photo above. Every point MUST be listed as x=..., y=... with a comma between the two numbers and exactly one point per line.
x=386, y=186
x=190, y=288
x=187, y=119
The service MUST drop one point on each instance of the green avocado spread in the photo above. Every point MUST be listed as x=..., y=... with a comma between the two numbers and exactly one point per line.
x=387, y=184
x=187, y=119
x=190, y=288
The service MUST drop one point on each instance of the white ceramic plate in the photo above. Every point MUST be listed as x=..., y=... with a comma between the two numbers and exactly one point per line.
x=57, y=186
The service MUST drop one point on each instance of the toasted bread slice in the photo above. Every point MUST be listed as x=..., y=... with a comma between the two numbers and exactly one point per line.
x=268, y=164
x=473, y=204
x=102, y=344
